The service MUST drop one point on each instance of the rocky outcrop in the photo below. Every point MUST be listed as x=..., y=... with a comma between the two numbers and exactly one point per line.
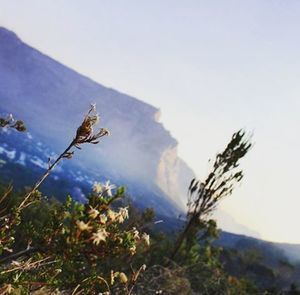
x=52, y=98
x=173, y=176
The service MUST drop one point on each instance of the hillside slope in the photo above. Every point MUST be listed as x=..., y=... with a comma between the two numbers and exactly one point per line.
x=52, y=98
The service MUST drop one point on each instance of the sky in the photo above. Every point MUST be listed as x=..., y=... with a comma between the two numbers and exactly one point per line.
x=212, y=67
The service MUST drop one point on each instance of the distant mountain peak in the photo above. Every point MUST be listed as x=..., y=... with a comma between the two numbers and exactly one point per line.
x=9, y=37
x=6, y=32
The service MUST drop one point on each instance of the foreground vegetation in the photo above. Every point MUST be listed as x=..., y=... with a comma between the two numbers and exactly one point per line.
x=107, y=246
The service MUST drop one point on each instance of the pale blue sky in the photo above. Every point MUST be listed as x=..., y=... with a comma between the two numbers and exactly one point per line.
x=212, y=67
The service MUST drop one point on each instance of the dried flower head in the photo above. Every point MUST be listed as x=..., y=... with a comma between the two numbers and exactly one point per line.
x=19, y=125
x=4, y=122
x=85, y=132
x=9, y=121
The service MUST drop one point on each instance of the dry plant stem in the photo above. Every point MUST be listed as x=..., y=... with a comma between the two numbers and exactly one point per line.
x=46, y=174
x=136, y=276
x=105, y=282
x=5, y=195
x=8, y=191
x=74, y=291
x=19, y=254
x=29, y=265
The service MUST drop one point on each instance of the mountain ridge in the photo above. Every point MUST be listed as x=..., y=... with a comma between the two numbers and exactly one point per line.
x=51, y=98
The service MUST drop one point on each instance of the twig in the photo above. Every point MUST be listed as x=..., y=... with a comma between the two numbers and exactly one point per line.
x=135, y=278
x=46, y=174
x=19, y=254
x=8, y=191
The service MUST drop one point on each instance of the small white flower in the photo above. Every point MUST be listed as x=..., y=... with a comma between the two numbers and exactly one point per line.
x=97, y=188
x=107, y=187
x=136, y=233
x=99, y=236
x=122, y=215
x=132, y=250
x=103, y=218
x=146, y=239
x=93, y=213
x=112, y=215
x=82, y=226
x=103, y=188
x=124, y=212
x=120, y=218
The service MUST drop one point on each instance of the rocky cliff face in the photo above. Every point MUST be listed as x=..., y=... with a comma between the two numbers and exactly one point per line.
x=52, y=98
x=173, y=176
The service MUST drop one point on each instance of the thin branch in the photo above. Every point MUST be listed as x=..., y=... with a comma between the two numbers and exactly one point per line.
x=19, y=254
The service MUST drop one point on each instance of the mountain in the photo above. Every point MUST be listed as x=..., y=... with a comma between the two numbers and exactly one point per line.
x=266, y=263
x=291, y=252
x=229, y=224
x=52, y=99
